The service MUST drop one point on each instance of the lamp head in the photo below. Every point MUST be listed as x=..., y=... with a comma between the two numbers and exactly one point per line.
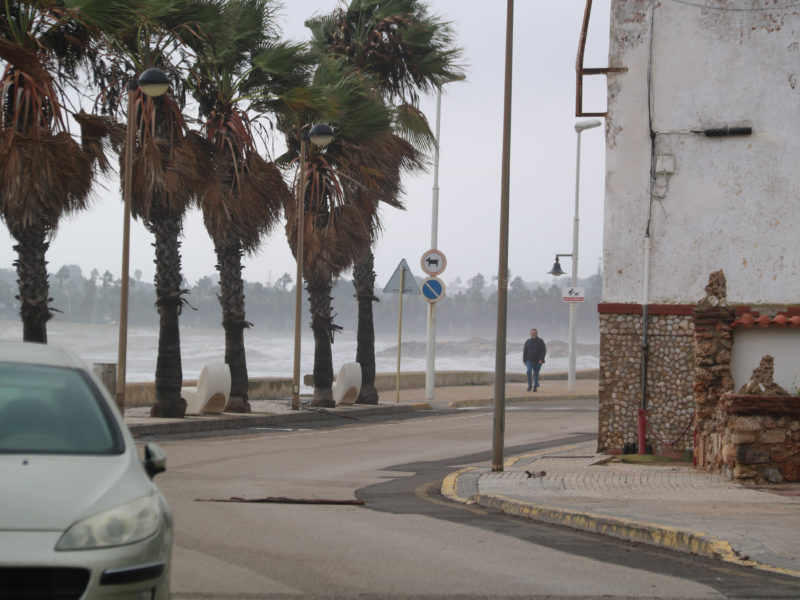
x=320, y=134
x=556, y=270
x=581, y=125
x=154, y=82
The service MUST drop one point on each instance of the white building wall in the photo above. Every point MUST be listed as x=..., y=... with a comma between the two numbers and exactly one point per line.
x=750, y=345
x=732, y=203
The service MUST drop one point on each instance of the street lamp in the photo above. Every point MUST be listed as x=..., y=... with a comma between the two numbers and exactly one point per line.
x=319, y=135
x=153, y=82
x=580, y=126
x=499, y=422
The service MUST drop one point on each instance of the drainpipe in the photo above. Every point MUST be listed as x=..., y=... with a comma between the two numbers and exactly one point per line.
x=642, y=445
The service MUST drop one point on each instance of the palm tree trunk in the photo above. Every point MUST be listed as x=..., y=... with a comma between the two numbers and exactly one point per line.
x=229, y=265
x=319, y=294
x=169, y=374
x=34, y=290
x=364, y=282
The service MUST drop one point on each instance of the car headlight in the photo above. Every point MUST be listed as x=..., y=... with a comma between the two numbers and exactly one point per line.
x=122, y=525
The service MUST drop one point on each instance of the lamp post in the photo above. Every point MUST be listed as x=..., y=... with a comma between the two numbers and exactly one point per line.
x=580, y=126
x=499, y=423
x=153, y=82
x=319, y=135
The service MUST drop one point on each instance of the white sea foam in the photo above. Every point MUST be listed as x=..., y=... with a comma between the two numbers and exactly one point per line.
x=268, y=355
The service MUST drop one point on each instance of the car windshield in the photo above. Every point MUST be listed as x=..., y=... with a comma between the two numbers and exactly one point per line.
x=54, y=410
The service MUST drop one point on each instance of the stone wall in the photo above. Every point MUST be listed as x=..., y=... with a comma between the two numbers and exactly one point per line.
x=759, y=439
x=712, y=376
x=752, y=436
x=670, y=403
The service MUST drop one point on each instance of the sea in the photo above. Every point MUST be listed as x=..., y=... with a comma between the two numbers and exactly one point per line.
x=271, y=355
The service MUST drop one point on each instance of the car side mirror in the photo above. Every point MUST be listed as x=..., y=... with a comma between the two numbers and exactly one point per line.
x=155, y=460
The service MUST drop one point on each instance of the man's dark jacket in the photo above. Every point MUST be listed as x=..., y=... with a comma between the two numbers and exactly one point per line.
x=534, y=350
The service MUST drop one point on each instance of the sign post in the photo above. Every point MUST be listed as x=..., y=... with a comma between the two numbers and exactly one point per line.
x=433, y=262
x=400, y=283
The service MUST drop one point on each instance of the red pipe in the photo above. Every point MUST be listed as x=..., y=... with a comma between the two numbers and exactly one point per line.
x=642, y=427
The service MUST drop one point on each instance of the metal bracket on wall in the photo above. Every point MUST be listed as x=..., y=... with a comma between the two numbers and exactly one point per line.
x=580, y=71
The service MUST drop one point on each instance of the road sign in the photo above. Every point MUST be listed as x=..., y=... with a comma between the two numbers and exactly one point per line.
x=433, y=262
x=432, y=289
x=573, y=294
x=402, y=280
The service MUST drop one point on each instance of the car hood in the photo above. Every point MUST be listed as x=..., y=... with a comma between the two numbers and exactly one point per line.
x=50, y=492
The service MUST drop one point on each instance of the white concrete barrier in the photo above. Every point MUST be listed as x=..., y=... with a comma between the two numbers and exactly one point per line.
x=347, y=384
x=212, y=391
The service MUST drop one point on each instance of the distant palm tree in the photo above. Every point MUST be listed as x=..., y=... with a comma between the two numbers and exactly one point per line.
x=377, y=180
x=336, y=225
x=241, y=71
x=44, y=172
x=406, y=51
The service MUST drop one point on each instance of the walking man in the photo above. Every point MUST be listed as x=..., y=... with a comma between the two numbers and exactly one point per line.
x=533, y=358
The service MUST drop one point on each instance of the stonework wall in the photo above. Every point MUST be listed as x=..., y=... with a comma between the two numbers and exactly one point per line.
x=670, y=401
x=759, y=441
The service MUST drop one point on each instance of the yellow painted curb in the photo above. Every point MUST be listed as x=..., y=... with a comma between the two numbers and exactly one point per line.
x=680, y=540
x=449, y=485
x=692, y=542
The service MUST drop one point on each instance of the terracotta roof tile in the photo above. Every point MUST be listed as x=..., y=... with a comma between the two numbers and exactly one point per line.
x=747, y=319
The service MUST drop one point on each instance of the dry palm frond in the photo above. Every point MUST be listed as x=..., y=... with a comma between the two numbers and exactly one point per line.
x=30, y=97
x=250, y=208
x=42, y=177
x=99, y=135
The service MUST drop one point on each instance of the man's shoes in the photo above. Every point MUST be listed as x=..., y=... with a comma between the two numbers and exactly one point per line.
x=529, y=389
x=536, y=388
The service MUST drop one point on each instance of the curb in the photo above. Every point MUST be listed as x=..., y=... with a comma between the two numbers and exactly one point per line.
x=633, y=531
x=663, y=536
x=490, y=401
x=193, y=424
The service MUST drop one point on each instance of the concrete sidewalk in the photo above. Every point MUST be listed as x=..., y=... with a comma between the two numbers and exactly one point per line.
x=270, y=413
x=672, y=505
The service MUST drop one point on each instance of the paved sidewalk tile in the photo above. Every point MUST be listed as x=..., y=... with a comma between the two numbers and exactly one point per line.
x=672, y=505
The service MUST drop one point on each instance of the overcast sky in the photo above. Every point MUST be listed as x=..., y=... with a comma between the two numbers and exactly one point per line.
x=543, y=149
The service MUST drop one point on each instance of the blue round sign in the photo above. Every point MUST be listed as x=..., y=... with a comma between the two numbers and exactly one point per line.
x=432, y=289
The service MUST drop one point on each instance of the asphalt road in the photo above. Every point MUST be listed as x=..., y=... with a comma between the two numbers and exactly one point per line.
x=405, y=540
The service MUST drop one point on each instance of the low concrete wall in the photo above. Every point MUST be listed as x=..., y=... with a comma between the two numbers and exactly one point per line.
x=143, y=394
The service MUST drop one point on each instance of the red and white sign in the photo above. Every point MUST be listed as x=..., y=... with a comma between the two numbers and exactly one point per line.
x=573, y=294
x=433, y=262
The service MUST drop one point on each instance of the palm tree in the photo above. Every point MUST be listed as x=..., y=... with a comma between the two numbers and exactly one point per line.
x=406, y=51
x=378, y=180
x=44, y=172
x=170, y=166
x=336, y=224
x=241, y=60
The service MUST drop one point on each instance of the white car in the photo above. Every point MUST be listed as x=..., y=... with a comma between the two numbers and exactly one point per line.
x=80, y=517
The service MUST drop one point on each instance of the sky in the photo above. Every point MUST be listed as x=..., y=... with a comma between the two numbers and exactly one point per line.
x=542, y=174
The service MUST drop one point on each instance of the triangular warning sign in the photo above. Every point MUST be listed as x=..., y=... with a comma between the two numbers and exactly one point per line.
x=403, y=272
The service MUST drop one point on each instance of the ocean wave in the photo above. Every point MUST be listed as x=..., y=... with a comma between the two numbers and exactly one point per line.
x=270, y=355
